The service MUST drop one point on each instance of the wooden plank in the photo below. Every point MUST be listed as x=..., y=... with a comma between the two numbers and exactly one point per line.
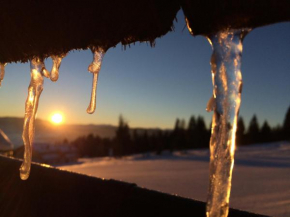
x=53, y=192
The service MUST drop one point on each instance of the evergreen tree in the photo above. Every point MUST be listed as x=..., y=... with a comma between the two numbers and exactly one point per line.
x=123, y=139
x=160, y=142
x=240, y=134
x=278, y=133
x=182, y=135
x=286, y=125
x=177, y=124
x=266, y=132
x=200, y=125
x=178, y=135
x=136, y=141
x=192, y=124
x=191, y=132
x=145, y=143
x=202, y=135
x=182, y=124
x=253, y=131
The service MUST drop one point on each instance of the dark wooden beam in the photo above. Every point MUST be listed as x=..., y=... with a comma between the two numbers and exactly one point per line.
x=53, y=192
x=209, y=16
x=42, y=28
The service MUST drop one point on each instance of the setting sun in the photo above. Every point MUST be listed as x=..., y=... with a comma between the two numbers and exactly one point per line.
x=56, y=118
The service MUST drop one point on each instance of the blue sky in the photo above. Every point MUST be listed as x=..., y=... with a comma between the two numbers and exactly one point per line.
x=151, y=87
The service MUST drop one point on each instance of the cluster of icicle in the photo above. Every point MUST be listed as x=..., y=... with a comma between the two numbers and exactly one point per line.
x=225, y=102
x=37, y=74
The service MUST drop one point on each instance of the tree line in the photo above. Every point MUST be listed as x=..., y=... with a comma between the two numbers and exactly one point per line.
x=193, y=135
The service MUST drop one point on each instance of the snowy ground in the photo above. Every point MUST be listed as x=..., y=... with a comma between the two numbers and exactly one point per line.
x=261, y=178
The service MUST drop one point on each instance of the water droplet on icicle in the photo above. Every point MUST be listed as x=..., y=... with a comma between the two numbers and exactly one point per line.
x=45, y=73
x=210, y=104
x=95, y=68
x=2, y=71
x=34, y=90
x=55, y=67
x=227, y=80
x=188, y=26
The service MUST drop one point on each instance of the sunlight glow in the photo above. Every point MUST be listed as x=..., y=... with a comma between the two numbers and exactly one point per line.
x=57, y=118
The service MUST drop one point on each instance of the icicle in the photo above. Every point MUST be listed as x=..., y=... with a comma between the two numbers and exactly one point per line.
x=34, y=90
x=55, y=68
x=210, y=104
x=45, y=73
x=188, y=26
x=94, y=68
x=227, y=81
x=2, y=71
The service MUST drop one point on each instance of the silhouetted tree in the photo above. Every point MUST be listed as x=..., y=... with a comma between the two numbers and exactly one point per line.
x=265, y=133
x=240, y=134
x=195, y=136
x=286, y=125
x=253, y=131
x=159, y=142
x=176, y=125
x=179, y=135
x=278, y=133
x=145, y=144
x=135, y=141
x=123, y=139
x=174, y=135
x=79, y=145
x=192, y=124
x=191, y=132
x=202, y=134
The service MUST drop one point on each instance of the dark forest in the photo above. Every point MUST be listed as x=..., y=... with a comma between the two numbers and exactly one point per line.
x=194, y=135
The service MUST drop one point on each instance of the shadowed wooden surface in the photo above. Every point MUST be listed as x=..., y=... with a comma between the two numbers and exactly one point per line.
x=53, y=192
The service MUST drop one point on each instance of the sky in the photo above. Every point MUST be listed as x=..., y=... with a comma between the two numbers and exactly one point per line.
x=151, y=87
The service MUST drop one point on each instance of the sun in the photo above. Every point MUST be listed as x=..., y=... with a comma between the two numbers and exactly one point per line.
x=57, y=118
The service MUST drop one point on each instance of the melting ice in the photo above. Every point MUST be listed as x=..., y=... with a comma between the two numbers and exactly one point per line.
x=55, y=67
x=37, y=72
x=95, y=67
x=34, y=90
x=227, y=82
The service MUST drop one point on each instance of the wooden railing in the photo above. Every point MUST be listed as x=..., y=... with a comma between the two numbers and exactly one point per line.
x=53, y=192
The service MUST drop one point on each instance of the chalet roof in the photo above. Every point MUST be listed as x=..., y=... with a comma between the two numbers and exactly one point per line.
x=42, y=28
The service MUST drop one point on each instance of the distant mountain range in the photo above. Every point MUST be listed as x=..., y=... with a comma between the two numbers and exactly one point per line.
x=48, y=132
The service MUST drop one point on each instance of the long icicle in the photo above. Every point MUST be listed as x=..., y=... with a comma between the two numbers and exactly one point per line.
x=34, y=90
x=55, y=67
x=227, y=86
x=2, y=71
x=95, y=68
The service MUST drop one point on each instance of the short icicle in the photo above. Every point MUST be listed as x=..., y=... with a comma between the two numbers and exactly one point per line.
x=227, y=83
x=95, y=68
x=34, y=90
x=2, y=72
x=55, y=67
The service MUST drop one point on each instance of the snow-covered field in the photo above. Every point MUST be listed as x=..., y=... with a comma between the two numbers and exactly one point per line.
x=261, y=177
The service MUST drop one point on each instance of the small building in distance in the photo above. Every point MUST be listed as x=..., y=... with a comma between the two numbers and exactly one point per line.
x=50, y=153
x=6, y=146
x=54, y=153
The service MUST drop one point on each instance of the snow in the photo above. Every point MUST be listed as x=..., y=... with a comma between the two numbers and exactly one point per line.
x=261, y=177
